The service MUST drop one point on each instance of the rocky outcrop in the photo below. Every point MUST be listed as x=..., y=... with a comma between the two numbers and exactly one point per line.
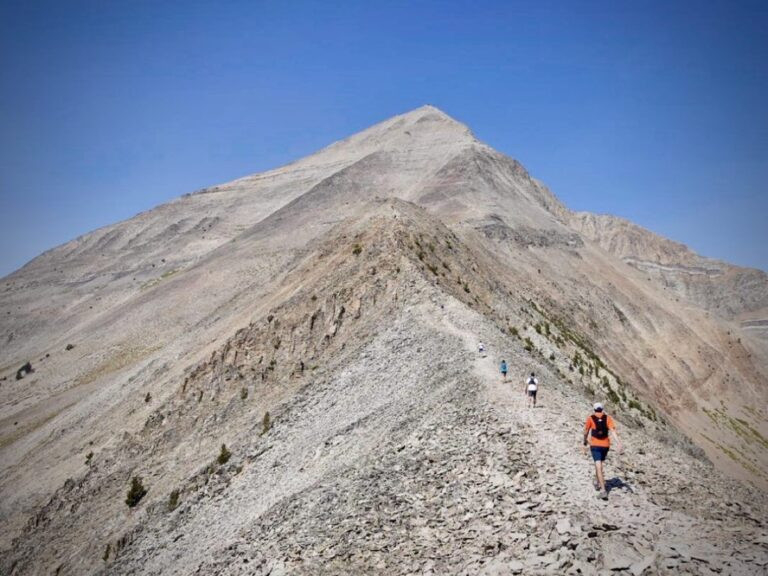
x=728, y=291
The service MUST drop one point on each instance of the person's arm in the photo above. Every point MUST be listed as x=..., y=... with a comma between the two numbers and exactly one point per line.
x=586, y=439
x=619, y=446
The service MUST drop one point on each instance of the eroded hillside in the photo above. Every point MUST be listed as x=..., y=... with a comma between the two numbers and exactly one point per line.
x=321, y=321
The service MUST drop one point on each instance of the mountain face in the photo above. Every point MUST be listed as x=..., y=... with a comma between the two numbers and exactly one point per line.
x=733, y=293
x=321, y=321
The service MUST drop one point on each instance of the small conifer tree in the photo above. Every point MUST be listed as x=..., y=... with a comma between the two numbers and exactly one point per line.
x=173, y=500
x=224, y=455
x=136, y=492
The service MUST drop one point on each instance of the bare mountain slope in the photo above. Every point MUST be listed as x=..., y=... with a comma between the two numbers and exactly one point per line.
x=343, y=293
x=94, y=273
x=729, y=291
x=391, y=446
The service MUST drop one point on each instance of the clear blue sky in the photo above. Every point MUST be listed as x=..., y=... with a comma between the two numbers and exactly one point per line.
x=655, y=111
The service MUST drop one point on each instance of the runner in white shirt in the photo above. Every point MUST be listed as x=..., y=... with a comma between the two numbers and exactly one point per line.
x=531, y=387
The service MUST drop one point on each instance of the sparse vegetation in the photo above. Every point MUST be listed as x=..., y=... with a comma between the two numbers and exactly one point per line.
x=148, y=398
x=552, y=356
x=224, y=455
x=243, y=393
x=69, y=347
x=739, y=426
x=513, y=330
x=88, y=458
x=612, y=396
x=466, y=287
x=357, y=249
x=266, y=423
x=200, y=396
x=173, y=500
x=528, y=344
x=136, y=492
x=107, y=550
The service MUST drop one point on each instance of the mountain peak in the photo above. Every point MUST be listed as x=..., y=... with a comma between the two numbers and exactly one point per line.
x=427, y=113
x=425, y=122
x=428, y=109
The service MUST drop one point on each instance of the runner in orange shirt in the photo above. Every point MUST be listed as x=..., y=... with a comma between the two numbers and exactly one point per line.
x=600, y=425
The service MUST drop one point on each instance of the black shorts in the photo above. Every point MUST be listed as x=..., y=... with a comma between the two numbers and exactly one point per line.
x=599, y=453
x=532, y=393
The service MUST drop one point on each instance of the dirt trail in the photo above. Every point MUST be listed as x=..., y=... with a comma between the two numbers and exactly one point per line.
x=637, y=531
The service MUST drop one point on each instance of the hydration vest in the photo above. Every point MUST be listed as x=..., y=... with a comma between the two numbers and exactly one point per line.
x=600, y=431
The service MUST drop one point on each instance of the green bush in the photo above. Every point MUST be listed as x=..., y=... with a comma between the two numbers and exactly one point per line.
x=173, y=501
x=224, y=455
x=136, y=492
x=528, y=344
x=357, y=249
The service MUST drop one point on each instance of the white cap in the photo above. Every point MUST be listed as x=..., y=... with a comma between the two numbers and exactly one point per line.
x=598, y=406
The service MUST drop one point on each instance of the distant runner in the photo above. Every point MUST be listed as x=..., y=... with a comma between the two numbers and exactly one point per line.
x=503, y=369
x=600, y=425
x=481, y=348
x=531, y=387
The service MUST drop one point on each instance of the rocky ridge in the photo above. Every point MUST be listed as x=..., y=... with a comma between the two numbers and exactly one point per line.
x=348, y=310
